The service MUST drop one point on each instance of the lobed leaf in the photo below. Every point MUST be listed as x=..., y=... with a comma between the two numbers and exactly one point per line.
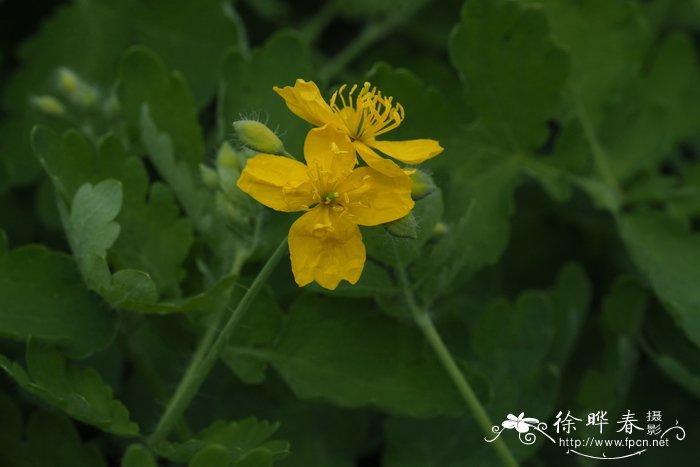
x=42, y=296
x=80, y=393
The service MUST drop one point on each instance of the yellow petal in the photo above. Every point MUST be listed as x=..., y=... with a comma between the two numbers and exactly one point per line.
x=373, y=198
x=325, y=247
x=329, y=155
x=277, y=182
x=410, y=152
x=376, y=161
x=305, y=100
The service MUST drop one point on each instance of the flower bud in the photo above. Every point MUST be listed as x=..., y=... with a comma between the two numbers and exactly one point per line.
x=227, y=157
x=258, y=137
x=440, y=230
x=74, y=88
x=48, y=105
x=423, y=185
x=209, y=175
x=406, y=227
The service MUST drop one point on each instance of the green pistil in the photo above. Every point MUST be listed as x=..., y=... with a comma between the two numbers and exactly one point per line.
x=329, y=197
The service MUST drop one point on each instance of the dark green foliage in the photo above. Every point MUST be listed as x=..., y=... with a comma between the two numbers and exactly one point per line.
x=556, y=246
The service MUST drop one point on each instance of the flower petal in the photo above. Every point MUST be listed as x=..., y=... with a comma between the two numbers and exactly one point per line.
x=373, y=198
x=325, y=247
x=509, y=424
x=329, y=154
x=522, y=427
x=409, y=152
x=278, y=182
x=376, y=161
x=305, y=100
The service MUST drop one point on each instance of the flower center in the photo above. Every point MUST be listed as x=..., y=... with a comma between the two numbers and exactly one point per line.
x=367, y=115
x=329, y=197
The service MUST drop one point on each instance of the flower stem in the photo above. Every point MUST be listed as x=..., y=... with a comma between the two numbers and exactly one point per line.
x=426, y=325
x=209, y=350
x=313, y=28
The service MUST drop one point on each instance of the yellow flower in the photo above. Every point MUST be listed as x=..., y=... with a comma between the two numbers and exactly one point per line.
x=363, y=118
x=325, y=244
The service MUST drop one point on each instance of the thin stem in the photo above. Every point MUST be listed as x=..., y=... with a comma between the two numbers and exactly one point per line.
x=425, y=323
x=208, y=352
x=372, y=33
x=315, y=26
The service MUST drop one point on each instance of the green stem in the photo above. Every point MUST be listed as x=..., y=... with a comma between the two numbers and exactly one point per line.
x=426, y=325
x=208, y=352
x=313, y=28
x=372, y=33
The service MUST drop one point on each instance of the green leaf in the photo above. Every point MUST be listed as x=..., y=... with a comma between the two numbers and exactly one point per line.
x=258, y=328
x=323, y=435
x=530, y=334
x=478, y=205
x=246, y=87
x=190, y=37
x=256, y=458
x=571, y=296
x=344, y=353
x=669, y=258
x=511, y=70
x=624, y=306
x=91, y=226
x=213, y=455
x=670, y=349
x=607, y=43
x=68, y=160
x=521, y=334
x=428, y=112
x=375, y=281
x=236, y=438
x=145, y=81
x=194, y=197
x=42, y=296
x=659, y=109
x=196, y=37
x=92, y=230
x=52, y=439
x=138, y=455
x=155, y=239
x=80, y=393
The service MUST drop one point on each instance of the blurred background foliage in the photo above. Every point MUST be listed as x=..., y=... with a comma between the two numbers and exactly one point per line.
x=559, y=256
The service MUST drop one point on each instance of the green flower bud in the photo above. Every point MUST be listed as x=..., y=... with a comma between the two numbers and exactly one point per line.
x=406, y=227
x=48, y=105
x=74, y=88
x=258, y=137
x=210, y=177
x=440, y=230
x=227, y=157
x=423, y=185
